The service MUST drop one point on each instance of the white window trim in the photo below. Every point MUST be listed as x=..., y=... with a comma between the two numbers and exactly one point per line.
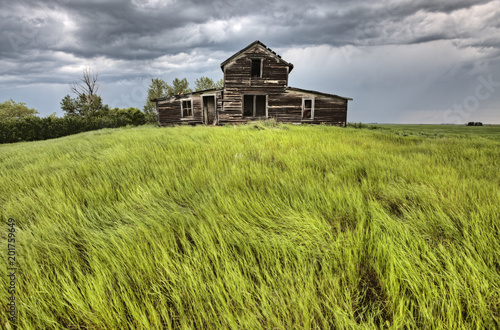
x=254, y=105
x=304, y=99
x=182, y=108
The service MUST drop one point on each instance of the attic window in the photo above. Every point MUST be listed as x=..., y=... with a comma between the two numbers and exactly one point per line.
x=307, y=109
x=187, y=108
x=256, y=68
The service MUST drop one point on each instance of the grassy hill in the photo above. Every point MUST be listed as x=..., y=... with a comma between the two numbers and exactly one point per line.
x=254, y=227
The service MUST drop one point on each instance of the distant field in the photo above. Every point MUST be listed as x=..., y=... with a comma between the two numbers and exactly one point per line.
x=255, y=226
x=487, y=131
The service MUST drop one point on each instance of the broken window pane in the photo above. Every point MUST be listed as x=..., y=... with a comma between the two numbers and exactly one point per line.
x=187, y=109
x=256, y=68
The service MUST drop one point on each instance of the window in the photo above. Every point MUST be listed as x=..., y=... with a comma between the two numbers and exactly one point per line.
x=307, y=109
x=254, y=105
x=187, y=108
x=256, y=68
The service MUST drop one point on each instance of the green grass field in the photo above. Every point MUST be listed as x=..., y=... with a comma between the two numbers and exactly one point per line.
x=255, y=226
x=488, y=131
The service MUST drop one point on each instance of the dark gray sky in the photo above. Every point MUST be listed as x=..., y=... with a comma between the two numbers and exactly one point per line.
x=411, y=61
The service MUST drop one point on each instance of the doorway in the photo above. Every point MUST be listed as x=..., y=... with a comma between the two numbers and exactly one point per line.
x=208, y=109
x=254, y=105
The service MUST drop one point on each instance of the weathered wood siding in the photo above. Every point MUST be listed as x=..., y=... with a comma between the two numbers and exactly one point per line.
x=238, y=81
x=282, y=103
x=287, y=107
x=169, y=110
x=283, y=107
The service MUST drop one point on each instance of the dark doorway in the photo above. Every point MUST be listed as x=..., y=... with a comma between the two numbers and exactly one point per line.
x=254, y=105
x=209, y=110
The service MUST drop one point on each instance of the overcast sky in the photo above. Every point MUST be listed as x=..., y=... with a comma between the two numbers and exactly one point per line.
x=411, y=61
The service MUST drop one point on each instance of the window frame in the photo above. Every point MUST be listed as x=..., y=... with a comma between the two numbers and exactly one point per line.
x=254, y=110
x=304, y=99
x=261, y=67
x=182, y=108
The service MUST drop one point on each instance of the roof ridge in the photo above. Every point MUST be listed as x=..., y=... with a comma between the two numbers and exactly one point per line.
x=256, y=42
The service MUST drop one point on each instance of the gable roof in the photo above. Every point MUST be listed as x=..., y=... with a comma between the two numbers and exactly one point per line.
x=295, y=89
x=181, y=96
x=256, y=42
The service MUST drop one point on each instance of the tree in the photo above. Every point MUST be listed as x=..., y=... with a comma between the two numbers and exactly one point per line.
x=78, y=107
x=471, y=123
x=219, y=84
x=158, y=88
x=204, y=83
x=12, y=110
x=87, y=102
x=179, y=87
x=87, y=87
x=70, y=106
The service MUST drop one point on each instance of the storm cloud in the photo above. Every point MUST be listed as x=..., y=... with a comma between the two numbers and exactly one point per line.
x=401, y=61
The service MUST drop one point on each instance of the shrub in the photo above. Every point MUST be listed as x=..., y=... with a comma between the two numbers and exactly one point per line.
x=356, y=125
x=471, y=123
x=133, y=116
x=36, y=128
x=361, y=125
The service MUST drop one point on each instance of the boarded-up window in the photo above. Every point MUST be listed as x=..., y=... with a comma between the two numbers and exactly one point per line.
x=187, y=108
x=307, y=109
x=254, y=105
x=256, y=68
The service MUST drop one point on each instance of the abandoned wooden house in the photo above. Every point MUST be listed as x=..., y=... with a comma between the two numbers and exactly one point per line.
x=255, y=88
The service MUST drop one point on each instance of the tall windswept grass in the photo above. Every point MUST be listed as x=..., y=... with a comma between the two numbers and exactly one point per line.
x=255, y=226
